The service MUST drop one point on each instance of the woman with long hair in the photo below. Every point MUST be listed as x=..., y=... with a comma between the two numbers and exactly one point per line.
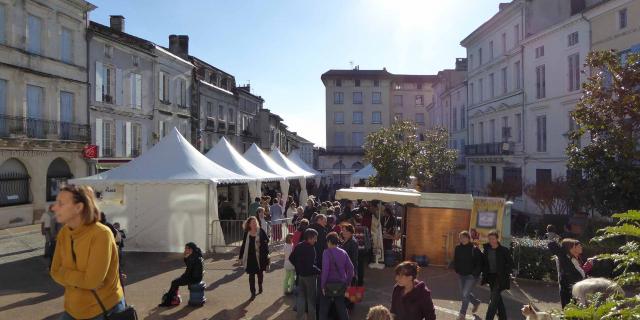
x=569, y=264
x=192, y=275
x=85, y=261
x=254, y=253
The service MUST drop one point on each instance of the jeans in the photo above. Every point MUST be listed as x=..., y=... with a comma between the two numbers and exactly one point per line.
x=495, y=304
x=306, y=297
x=175, y=285
x=325, y=305
x=119, y=307
x=363, y=261
x=565, y=295
x=467, y=282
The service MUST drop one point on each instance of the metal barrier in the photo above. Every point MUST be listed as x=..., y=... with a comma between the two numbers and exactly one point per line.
x=227, y=234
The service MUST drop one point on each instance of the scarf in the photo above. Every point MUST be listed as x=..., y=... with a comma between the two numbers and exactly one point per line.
x=245, y=255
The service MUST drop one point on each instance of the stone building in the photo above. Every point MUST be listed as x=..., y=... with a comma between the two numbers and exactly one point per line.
x=122, y=96
x=43, y=103
x=448, y=110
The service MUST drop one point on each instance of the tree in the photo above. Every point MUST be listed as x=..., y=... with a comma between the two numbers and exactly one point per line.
x=508, y=189
x=551, y=197
x=626, y=260
x=401, y=151
x=608, y=167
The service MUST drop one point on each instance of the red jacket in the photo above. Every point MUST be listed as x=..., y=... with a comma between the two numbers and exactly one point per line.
x=415, y=305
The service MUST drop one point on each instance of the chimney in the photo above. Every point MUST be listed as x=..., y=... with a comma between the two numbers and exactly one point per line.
x=117, y=23
x=179, y=45
x=503, y=5
x=461, y=64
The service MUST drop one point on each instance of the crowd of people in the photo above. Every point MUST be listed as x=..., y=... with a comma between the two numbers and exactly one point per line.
x=326, y=251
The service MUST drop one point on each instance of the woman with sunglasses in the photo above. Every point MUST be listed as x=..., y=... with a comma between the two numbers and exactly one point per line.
x=85, y=261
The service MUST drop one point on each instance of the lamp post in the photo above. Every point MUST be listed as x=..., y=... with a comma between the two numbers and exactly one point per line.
x=340, y=168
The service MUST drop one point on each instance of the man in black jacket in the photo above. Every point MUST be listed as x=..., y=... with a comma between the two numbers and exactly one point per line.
x=467, y=262
x=497, y=265
x=303, y=259
x=321, y=228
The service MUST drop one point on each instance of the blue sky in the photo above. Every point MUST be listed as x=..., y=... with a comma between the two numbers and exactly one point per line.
x=283, y=46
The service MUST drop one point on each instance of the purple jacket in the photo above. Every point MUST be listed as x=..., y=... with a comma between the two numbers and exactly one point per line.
x=329, y=272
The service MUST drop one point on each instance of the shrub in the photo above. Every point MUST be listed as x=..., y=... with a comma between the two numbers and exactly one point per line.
x=533, y=260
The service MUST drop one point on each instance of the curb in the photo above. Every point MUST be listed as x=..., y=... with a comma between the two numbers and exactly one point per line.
x=15, y=235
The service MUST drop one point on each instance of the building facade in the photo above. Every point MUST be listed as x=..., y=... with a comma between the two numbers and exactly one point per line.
x=43, y=103
x=410, y=94
x=172, y=102
x=553, y=61
x=448, y=110
x=121, y=99
x=248, y=107
x=357, y=103
x=215, y=105
x=495, y=143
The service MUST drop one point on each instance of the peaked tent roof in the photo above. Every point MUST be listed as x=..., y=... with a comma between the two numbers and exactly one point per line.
x=284, y=162
x=364, y=173
x=261, y=160
x=224, y=154
x=172, y=160
x=294, y=156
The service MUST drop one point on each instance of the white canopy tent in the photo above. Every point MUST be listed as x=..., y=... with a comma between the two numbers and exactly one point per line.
x=261, y=160
x=166, y=197
x=363, y=174
x=294, y=156
x=225, y=155
x=284, y=162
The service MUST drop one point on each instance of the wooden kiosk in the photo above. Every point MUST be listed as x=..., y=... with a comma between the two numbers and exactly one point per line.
x=432, y=221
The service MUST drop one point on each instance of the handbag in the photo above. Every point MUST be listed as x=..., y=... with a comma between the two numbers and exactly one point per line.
x=129, y=312
x=334, y=289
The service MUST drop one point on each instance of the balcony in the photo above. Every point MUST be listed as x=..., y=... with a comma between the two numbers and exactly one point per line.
x=23, y=127
x=210, y=125
x=107, y=153
x=222, y=126
x=490, y=149
x=345, y=150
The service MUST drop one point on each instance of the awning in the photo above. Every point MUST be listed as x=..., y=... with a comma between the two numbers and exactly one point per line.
x=402, y=196
x=108, y=165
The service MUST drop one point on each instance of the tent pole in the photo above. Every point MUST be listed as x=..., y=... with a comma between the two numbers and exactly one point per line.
x=209, y=226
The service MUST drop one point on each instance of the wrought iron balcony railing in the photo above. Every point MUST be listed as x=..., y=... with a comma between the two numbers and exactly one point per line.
x=490, y=149
x=14, y=126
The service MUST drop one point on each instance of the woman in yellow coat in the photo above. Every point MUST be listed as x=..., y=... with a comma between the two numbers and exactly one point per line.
x=86, y=257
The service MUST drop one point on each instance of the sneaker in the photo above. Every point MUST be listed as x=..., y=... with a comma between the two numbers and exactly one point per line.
x=475, y=307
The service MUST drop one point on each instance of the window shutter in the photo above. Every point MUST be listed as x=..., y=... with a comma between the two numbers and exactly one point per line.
x=119, y=138
x=144, y=140
x=99, y=136
x=99, y=81
x=138, y=83
x=128, y=133
x=132, y=90
x=161, y=86
x=119, y=87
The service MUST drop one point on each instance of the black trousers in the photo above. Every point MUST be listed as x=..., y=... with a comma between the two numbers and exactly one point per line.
x=252, y=281
x=175, y=284
x=363, y=261
x=565, y=295
x=496, y=304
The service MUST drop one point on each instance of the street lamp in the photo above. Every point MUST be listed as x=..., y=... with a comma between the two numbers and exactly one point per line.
x=340, y=168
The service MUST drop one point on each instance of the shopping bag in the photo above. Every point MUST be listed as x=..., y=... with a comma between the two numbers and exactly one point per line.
x=355, y=294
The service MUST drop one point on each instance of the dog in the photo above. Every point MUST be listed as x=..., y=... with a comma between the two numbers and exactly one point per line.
x=583, y=289
x=530, y=314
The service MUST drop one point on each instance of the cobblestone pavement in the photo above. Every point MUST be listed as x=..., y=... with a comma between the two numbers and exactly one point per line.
x=27, y=292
